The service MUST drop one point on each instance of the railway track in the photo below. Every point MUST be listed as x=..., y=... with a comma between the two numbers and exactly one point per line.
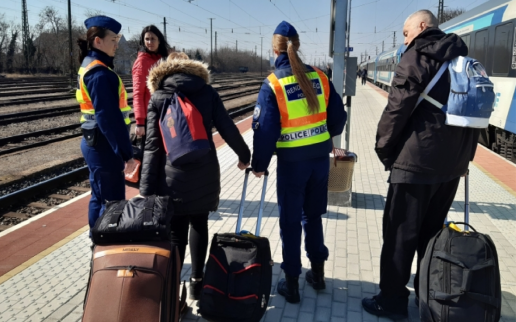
x=37, y=114
x=69, y=94
x=9, y=87
x=18, y=92
x=36, y=139
x=64, y=110
x=64, y=83
x=41, y=195
x=49, y=95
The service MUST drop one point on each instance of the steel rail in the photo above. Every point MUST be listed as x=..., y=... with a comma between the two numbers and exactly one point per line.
x=51, y=112
x=19, y=138
x=43, y=186
x=80, y=172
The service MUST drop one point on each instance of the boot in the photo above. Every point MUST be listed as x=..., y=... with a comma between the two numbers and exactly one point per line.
x=194, y=289
x=315, y=276
x=289, y=288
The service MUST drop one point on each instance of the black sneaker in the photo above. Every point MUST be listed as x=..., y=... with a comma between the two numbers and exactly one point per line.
x=372, y=306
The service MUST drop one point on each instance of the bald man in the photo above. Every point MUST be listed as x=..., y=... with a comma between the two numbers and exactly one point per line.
x=425, y=157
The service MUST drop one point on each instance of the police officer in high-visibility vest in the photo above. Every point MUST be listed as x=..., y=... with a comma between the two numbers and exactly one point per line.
x=297, y=113
x=106, y=145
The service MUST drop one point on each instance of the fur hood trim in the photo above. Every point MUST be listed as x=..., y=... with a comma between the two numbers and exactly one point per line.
x=175, y=66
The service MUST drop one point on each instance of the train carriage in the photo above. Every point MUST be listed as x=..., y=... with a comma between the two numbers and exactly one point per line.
x=386, y=63
x=489, y=32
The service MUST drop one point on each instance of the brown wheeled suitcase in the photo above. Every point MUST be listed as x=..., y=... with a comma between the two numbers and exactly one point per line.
x=134, y=283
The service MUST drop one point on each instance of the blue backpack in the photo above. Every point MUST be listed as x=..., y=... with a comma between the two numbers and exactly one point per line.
x=472, y=96
x=182, y=129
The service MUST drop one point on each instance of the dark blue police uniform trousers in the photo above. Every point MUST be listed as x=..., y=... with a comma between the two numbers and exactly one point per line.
x=106, y=176
x=302, y=200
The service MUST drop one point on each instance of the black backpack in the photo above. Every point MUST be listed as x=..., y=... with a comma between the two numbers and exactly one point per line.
x=459, y=276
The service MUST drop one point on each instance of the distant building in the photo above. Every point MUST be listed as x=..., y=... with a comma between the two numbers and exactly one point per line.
x=124, y=57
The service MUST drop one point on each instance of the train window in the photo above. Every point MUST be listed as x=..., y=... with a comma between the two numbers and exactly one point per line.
x=503, y=49
x=466, y=39
x=480, y=49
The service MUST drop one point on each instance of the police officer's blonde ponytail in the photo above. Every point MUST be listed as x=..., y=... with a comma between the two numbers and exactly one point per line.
x=291, y=46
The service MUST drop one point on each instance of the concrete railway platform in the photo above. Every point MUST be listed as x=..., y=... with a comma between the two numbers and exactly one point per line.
x=44, y=262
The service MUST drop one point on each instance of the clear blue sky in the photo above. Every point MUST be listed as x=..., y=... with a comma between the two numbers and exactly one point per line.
x=248, y=20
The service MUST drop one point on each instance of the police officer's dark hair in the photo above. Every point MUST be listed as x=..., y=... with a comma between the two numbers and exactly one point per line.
x=163, y=47
x=290, y=45
x=86, y=45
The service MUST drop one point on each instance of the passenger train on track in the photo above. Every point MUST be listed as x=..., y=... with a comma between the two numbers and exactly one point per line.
x=489, y=31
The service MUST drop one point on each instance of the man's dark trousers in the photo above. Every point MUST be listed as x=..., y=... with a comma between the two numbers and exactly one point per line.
x=413, y=214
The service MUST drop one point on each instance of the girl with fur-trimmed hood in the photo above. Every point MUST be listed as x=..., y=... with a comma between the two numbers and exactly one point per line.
x=193, y=188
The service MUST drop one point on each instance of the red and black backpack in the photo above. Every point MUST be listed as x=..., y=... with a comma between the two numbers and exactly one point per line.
x=182, y=130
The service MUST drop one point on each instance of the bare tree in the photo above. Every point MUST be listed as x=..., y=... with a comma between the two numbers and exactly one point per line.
x=93, y=13
x=52, y=41
x=11, y=50
x=449, y=14
x=4, y=39
x=229, y=60
x=50, y=16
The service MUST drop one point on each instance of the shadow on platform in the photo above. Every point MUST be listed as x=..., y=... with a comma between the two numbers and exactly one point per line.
x=229, y=207
x=368, y=201
x=502, y=211
x=345, y=294
x=509, y=298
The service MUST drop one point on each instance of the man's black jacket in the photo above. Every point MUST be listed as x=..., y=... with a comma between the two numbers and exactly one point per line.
x=417, y=139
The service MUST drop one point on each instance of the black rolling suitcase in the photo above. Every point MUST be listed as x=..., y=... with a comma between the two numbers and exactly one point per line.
x=460, y=277
x=237, y=282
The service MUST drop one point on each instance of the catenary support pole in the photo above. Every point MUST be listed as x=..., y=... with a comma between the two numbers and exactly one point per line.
x=339, y=52
x=165, y=27
x=70, y=43
x=261, y=57
x=211, y=41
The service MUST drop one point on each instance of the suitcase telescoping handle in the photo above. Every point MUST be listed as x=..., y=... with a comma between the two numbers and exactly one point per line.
x=241, y=210
x=466, y=204
x=466, y=201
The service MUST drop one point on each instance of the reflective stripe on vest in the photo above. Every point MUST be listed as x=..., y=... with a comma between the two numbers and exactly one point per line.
x=298, y=126
x=83, y=96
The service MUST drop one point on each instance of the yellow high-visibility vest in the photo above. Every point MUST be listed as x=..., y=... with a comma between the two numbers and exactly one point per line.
x=83, y=96
x=298, y=126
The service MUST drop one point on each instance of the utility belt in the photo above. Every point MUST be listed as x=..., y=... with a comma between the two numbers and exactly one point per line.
x=91, y=117
x=299, y=135
x=90, y=135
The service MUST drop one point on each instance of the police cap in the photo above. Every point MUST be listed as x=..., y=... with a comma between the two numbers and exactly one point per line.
x=104, y=22
x=285, y=29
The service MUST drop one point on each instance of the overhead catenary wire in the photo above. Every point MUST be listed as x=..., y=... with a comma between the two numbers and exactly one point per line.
x=132, y=23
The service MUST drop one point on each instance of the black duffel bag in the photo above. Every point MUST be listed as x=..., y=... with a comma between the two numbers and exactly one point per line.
x=136, y=220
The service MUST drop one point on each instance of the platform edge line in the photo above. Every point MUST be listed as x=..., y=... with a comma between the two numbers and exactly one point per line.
x=495, y=179
x=43, y=214
x=496, y=154
x=241, y=133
